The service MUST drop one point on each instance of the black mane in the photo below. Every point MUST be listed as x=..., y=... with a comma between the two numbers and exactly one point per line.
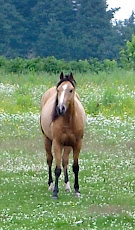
x=67, y=78
x=55, y=113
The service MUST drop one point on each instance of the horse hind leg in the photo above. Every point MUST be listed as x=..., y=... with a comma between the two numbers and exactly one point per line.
x=49, y=157
x=65, y=160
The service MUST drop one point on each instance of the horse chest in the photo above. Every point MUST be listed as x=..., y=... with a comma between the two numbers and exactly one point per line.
x=68, y=137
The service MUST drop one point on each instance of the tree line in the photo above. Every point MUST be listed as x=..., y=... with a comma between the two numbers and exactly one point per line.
x=65, y=29
x=53, y=65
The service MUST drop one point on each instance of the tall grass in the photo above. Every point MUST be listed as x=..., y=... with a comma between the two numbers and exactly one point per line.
x=106, y=93
x=107, y=159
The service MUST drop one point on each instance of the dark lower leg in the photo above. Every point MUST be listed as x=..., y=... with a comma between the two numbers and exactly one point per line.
x=50, y=180
x=65, y=160
x=65, y=171
x=76, y=152
x=58, y=151
x=49, y=162
x=76, y=170
x=57, y=175
x=48, y=146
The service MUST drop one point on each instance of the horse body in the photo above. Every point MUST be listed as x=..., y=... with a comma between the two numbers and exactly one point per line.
x=62, y=122
x=69, y=126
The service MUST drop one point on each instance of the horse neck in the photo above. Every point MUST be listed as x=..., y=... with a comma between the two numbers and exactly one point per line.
x=69, y=116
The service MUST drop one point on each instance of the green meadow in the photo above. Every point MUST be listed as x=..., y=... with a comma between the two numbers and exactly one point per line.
x=107, y=158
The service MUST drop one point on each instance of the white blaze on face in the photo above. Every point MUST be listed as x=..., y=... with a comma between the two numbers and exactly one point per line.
x=64, y=87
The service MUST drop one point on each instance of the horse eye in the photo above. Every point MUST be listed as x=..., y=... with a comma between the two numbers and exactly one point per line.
x=71, y=91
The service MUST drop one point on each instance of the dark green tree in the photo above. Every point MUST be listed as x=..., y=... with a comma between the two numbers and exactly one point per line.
x=24, y=8
x=126, y=28
x=52, y=42
x=54, y=27
x=11, y=30
x=66, y=29
x=128, y=55
x=122, y=32
x=94, y=25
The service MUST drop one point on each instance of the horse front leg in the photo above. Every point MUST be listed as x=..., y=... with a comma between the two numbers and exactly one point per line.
x=65, y=160
x=58, y=152
x=76, y=152
x=49, y=158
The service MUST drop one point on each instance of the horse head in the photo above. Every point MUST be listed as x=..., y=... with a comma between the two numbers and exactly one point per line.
x=65, y=93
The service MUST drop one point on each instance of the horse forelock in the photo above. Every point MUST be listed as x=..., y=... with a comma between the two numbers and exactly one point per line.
x=66, y=78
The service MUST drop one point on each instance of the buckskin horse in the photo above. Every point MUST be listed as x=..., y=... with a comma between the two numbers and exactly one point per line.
x=62, y=122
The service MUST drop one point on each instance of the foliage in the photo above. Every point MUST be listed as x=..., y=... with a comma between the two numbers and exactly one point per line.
x=126, y=29
x=122, y=32
x=128, y=55
x=3, y=61
x=69, y=30
x=109, y=64
x=53, y=65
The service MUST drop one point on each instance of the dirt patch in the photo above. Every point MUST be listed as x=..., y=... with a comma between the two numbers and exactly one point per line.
x=107, y=209
x=131, y=145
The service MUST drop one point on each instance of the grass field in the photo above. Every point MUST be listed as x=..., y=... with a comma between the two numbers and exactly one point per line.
x=107, y=159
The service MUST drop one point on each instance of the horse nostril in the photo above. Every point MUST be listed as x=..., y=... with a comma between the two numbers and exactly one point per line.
x=63, y=109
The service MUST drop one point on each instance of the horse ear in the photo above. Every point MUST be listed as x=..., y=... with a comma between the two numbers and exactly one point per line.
x=61, y=76
x=71, y=76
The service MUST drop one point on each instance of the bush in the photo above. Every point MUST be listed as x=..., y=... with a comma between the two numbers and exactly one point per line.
x=110, y=64
x=81, y=66
x=3, y=61
x=16, y=65
x=128, y=55
x=34, y=65
x=95, y=65
x=52, y=65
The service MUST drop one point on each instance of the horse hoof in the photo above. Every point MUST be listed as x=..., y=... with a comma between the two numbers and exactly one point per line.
x=68, y=190
x=54, y=196
x=51, y=187
x=67, y=187
x=77, y=194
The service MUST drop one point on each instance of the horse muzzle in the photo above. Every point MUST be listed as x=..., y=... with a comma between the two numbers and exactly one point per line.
x=61, y=109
